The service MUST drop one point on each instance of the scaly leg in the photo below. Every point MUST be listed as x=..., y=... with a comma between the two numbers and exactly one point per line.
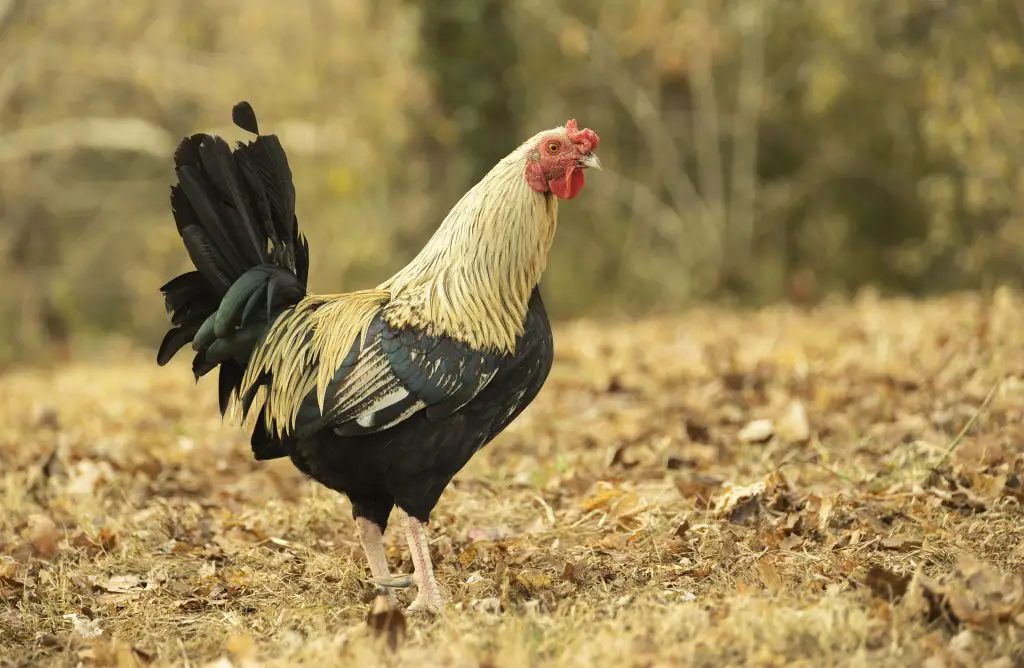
x=373, y=545
x=428, y=598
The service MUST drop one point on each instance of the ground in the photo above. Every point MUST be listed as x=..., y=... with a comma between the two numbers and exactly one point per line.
x=840, y=487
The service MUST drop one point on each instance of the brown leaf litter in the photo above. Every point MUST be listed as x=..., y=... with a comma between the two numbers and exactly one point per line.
x=836, y=487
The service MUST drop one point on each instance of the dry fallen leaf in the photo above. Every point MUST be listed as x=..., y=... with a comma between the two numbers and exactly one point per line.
x=105, y=541
x=757, y=431
x=86, y=475
x=826, y=505
x=979, y=593
x=901, y=543
x=118, y=584
x=533, y=581
x=1001, y=662
x=114, y=652
x=84, y=627
x=490, y=605
x=10, y=588
x=886, y=584
x=487, y=533
x=768, y=574
x=207, y=570
x=792, y=426
x=43, y=535
x=602, y=497
x=732, y=495
x=682, y=529
x=241, y=646
x=574, y=572
x=791, y=542
x=387, y=621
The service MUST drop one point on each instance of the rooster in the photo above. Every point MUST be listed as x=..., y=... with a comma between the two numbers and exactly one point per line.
x=381, y=394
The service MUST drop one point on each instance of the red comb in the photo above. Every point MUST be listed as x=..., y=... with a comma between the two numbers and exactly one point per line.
x=586, y=138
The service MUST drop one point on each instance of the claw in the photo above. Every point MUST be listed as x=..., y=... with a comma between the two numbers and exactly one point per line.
x=395, y=581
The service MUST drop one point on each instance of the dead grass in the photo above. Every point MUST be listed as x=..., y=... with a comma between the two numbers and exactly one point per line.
x=722, y=488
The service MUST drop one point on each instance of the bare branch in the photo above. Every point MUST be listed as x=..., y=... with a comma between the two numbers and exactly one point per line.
x=168, y=71
x=7, y=10
x=662, y=147
x=745, y=131
x=666, y=156
x=110, y=134
x=659, y=142
x=645, y=203
x=706, y=135
x=140, y=136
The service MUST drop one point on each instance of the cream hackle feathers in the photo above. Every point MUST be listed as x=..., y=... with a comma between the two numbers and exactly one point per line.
x=472, y=281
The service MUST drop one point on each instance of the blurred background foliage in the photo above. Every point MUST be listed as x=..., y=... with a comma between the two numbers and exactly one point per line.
x=755, y=150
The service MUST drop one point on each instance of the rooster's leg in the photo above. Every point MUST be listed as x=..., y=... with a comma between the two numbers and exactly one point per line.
x=428, y=598
x=373, y=545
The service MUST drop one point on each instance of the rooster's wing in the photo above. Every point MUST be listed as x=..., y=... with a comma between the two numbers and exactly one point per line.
x=395, y=373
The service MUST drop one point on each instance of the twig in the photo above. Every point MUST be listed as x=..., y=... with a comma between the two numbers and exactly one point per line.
x=550, y=514
x=970, y=423
x=745, y=133
x=706, y=134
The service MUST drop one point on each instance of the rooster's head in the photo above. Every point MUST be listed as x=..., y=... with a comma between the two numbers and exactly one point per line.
x=558, y=158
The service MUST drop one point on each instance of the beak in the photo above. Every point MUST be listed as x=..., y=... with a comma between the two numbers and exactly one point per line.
x=589, y=160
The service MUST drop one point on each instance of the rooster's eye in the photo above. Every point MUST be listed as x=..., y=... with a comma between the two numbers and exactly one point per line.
x=553, y=147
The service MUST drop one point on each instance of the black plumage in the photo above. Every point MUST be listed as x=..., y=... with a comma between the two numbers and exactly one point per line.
x=410, y=463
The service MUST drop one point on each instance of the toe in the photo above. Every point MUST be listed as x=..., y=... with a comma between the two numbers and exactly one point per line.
x=394, y=582
x=422, y=605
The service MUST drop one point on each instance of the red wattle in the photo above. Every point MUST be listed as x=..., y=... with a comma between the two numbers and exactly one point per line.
x=568, y=186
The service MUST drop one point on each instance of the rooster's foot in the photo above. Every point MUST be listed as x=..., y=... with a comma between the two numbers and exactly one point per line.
x=430, y=605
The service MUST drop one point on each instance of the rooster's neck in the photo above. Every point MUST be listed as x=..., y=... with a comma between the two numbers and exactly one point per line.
x=474, y=278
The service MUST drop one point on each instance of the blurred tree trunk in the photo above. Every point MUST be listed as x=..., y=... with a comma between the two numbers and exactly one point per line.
x=469, y=52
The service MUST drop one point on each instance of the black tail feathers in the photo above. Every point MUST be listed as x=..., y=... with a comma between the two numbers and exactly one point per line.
x=235, y=212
